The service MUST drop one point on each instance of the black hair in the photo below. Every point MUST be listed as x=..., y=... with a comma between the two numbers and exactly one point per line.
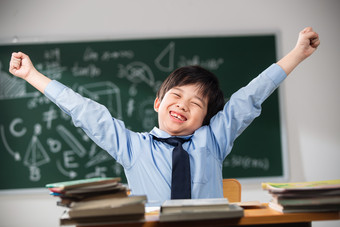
x=207, y=82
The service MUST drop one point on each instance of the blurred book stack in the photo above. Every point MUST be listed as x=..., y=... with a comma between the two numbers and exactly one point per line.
x=96, y=200
x=315, y=196
x=199, y=209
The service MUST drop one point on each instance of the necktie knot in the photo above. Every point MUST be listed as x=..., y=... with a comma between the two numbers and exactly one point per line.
x=173, y=141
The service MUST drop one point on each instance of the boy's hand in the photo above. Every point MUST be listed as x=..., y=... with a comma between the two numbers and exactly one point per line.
x=307, y=42
x=20, y=65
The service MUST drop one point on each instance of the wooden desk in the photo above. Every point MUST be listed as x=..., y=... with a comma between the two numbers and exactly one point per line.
x=260, y=216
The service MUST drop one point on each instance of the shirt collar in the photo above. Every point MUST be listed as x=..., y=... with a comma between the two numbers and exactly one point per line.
x=162, y=134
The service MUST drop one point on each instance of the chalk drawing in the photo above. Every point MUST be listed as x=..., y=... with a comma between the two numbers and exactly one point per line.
x=37, y=101
x=107, y=89
x=83, y=135
x=71, y=174
x=98, y=172
x=51, y=68
x=130, y=107
x=12, y=129
x=147, y=114
x=49, y=116
x=69, y=160
x=117, y=169
x=35, y=173
x=16, y=155
x=54, y=145
x=12, y=87
x=71, y=141
x=65, y=116
x=36, y=155
x=133, y=90
x=97, y=157
x=137, y=72
x=165, y=60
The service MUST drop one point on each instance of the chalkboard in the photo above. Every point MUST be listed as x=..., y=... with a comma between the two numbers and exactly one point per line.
x=40, y=145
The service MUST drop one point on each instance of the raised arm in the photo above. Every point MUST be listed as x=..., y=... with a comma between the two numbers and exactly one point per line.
x=307, y=43
x=21, y=66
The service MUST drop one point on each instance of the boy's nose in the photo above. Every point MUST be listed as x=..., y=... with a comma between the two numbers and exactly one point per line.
x=181, y=106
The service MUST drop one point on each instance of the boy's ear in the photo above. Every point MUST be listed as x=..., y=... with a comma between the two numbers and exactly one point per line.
x=156, y=104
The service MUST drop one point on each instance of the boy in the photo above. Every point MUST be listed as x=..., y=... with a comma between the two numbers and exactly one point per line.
x=190, y=107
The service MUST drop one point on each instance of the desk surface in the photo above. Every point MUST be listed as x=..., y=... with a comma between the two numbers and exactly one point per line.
x=262, y=216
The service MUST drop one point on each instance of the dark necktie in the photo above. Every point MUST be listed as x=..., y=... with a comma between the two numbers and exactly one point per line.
x=181, y=178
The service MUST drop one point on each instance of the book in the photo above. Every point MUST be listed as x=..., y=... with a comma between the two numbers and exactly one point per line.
x=108, y=207
x=65, y=219
x=65, y=185
x=97, y=200
x=87, y=189
x=302, y=186
x=66, y=201
x=199, y=209
x=308, y=193
x=302, y=209
x=303, y=201
x=170, y=206
x=314, y=196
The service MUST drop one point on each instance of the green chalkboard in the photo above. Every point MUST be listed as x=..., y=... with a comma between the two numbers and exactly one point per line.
x=40, y=145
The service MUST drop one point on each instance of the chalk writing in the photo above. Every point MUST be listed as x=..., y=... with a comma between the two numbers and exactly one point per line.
x=108, y=55
x=210, y=63
x=90, y=55
x=246, y=162
x=49, y=116
x=13, y=125
x=69, y=159
x=71, y=174
x=90, y=70
x=54, y=145
x=16, y=155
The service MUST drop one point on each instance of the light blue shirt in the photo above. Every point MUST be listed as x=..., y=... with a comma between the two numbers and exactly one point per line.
x=147, y=162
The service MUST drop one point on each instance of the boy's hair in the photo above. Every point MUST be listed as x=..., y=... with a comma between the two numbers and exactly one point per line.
x=207, y=82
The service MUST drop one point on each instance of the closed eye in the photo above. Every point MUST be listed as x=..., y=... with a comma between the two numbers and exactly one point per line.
x=175, y=94
x=196, y=104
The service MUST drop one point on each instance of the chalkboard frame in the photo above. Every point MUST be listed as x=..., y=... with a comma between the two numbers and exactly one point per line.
x=284, y=153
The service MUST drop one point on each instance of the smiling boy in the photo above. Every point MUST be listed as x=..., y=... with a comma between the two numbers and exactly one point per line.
x=187, y=99
x=190, y=106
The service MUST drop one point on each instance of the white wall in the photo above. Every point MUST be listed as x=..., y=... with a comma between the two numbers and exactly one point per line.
x=311, y=106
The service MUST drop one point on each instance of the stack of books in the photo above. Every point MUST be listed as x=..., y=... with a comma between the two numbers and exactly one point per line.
x=96, y=200
x=199, y=209
x=315, y=196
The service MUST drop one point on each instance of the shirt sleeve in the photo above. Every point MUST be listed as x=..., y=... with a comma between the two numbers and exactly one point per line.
x=95, y=119
x=242, y=108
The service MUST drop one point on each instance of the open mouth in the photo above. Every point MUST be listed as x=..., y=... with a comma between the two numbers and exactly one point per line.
x=178, y=116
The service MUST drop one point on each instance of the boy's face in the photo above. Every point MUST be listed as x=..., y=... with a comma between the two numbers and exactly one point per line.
x=182, y=110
